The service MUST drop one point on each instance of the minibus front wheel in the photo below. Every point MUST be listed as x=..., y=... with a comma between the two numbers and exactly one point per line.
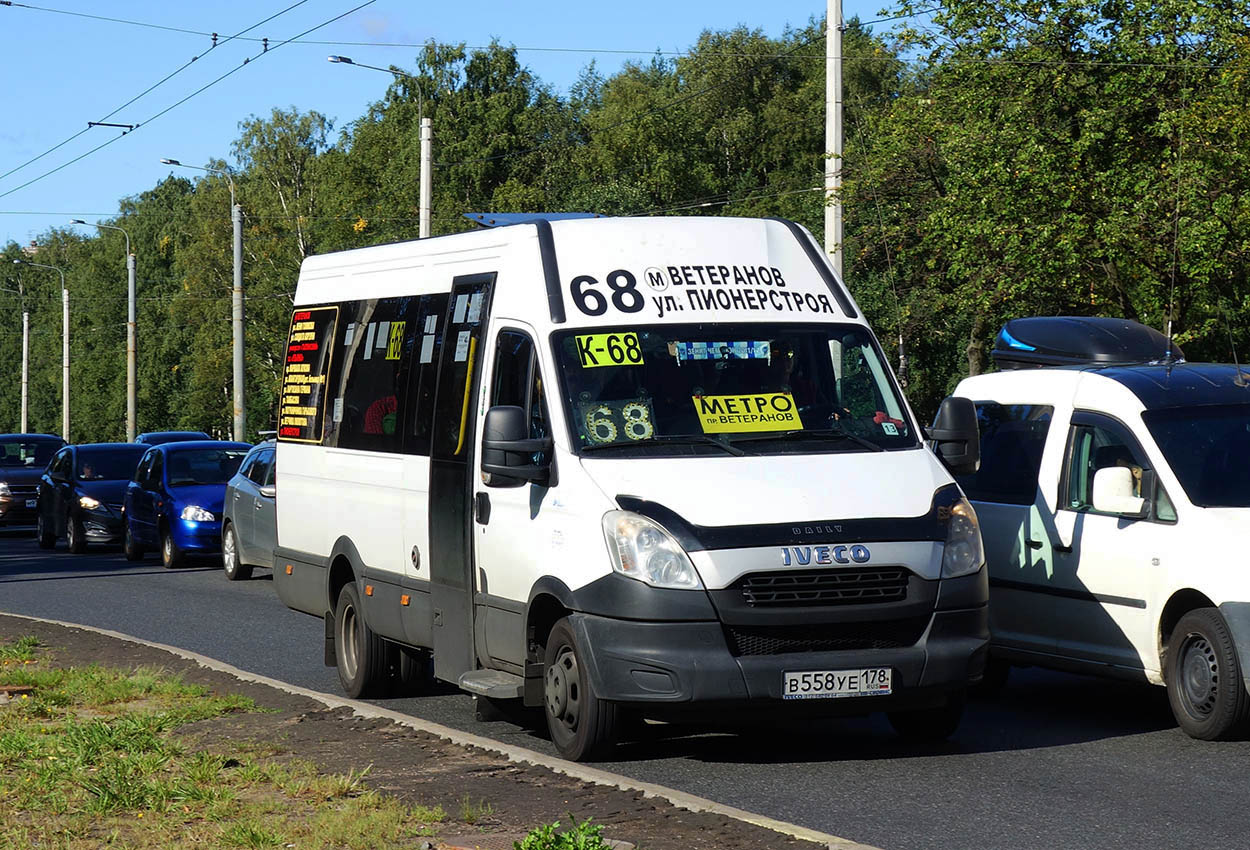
x=582, y=726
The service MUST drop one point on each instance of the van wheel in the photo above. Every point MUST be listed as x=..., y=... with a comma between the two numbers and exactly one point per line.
x=234, y=568
x=582, y=726
x=359, y=653
x=75, y=534
x=1203, y=677
x=134, y=552
x=43, y=534
x=171, y=555
x=929, y=725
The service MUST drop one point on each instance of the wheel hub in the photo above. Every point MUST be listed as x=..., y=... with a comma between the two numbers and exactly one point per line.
x=1199, y=676
x=561, y=688
x=347, y=640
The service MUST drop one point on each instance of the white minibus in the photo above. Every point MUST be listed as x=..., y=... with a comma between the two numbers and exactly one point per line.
x=623, y=468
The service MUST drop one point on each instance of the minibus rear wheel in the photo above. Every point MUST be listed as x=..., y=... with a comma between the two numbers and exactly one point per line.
x=582, y=726
x=359, y=653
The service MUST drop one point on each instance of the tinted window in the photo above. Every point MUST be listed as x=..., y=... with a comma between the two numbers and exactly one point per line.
x=108, y=464
x=1208, y=448
x=203, y=466
x=376, y=349
x=1012, y=439
x=431, y=319
x=27, y=454
x=517, y=381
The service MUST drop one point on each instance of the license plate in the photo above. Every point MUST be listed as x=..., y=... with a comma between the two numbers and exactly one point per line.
x=30, y=503
x=833, y=684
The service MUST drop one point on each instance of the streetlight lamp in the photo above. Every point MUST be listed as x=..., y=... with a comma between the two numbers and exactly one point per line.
x=236, y=217
x=427, y=140
x=64, y=344
x=25, y=350
x=131, y=369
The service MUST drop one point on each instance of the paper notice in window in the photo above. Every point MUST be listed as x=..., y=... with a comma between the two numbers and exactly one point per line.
x=427, y=348
x=350, y=335
x=338, y=409
x=457, y=316
x=384, y=330
x=475, y=308
x=373, y=329
x=431, y=323
x=462, y=346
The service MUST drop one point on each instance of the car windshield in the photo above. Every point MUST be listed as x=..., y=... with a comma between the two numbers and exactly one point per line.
x=1208, y=448
x=27, y=454
x=108, y=464
x=729, y=389
x=203, y=466
x=161, y=437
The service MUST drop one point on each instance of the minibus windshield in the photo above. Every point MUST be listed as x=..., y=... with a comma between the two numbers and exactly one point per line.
x=1208, y=448
x=729, y=389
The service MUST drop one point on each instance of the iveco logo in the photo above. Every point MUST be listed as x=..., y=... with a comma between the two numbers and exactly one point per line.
x=824, y=555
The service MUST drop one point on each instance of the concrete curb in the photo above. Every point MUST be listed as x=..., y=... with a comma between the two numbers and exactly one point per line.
x=512, y=753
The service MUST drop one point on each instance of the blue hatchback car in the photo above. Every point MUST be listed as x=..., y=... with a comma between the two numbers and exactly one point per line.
x=174, y=501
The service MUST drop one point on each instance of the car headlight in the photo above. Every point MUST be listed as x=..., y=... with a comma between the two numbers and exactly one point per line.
x=195, y=513
x=4, y=489
x=963, y=552
x=88, y=503
x=643, y=550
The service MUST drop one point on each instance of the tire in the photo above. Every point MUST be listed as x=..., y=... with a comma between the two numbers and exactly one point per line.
x=582, y=726
x=235, y=569
x=43, y=535
x=359, y=653
x=1203, y=677
x=929, y=725
x=171, y=555
x=75, y=534
x=134, y=552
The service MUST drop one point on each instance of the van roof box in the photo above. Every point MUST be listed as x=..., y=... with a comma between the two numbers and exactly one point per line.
x=1079, y=341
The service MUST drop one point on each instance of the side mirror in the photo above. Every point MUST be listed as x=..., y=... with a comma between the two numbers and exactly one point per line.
x=1113, y=492
x=507, y=450
x=269, y=492
x=956, y=436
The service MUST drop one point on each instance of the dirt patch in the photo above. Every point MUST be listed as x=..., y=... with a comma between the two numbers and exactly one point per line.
x=482, y=793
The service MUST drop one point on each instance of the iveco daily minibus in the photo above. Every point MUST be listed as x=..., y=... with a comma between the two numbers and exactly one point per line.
x=622, y=466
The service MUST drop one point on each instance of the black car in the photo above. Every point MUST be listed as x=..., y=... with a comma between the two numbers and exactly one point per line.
x=23, y=458
x=81, y=492
x=156, y=438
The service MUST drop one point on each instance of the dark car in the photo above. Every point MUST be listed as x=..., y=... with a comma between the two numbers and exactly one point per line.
x=159, y=438
x=175, y=501
x=80, y=494
x=23, y=458
x=249, y=531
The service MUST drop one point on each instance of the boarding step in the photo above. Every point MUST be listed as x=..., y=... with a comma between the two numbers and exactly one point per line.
x=495, y=684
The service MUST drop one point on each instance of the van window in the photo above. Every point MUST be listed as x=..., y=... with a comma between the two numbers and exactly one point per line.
x=376, y=349
x=1012, y=439
x=431, y=318
x=1096, y=442
x=517, y=381
x=759, y=388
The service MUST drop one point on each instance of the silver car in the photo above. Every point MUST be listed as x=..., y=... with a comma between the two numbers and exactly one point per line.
x=248, y=528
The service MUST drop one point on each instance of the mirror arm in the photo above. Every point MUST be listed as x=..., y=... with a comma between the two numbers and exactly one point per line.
x=541, y=444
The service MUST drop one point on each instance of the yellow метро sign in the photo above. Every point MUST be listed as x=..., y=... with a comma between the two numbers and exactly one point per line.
x=733, y=414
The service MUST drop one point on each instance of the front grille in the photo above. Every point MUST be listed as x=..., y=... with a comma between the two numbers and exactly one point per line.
x=23, y=489
x=838, y=586
x=832, y=637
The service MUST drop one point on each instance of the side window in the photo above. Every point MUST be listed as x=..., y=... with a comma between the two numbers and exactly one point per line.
x=271, y=470
x=376, y=350
x=1012, y=439
x=1097, y=443
x=516, y=380
x=431, y=317
x=60, y=464
x=157, y=474
x=143, y=470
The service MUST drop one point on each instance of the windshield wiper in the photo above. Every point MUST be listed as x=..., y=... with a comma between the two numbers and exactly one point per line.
x=676, y=439
x=814, y=434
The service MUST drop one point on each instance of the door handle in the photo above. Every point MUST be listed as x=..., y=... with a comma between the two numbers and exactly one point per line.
x=481, y=508
x=1034, y=544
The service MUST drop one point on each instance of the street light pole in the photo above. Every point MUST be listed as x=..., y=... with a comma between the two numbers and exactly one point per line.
x=236, y=299
x=427, y=141
x=64, y=344
x=833, y=132
x=25, y=351
x=131, y=368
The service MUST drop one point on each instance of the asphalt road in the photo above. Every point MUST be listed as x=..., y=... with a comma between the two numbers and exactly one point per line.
x=1056, y=762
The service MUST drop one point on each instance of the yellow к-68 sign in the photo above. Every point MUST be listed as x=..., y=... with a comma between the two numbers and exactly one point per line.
x=608, y=350
x=731, y=414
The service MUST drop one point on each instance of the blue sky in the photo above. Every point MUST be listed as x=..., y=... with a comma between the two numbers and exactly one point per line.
x=61, y=71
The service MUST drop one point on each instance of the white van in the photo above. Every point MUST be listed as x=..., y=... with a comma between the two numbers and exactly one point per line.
x=1114, y=493
x=622, y=465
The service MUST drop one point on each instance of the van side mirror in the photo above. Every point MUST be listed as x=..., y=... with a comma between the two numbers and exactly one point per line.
x=508, y=451
x=1113, y=492
x=956, y=436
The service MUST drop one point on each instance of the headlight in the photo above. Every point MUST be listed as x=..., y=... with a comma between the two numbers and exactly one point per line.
x=4, y=489
x=643, y=550
x=195, y=513
x=88, y=503
x=963, y=552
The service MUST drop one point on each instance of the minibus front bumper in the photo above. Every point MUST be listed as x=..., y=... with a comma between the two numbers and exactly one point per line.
x=670, y=663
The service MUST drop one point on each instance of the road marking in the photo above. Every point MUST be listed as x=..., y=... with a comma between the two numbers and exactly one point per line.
x=581, y=772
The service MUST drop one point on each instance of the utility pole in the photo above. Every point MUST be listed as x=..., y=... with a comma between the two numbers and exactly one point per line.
x=20, y=292
x=131, y=368
x=236, y=306
x=64, y=343
x=427, y=173
x=833, y=132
